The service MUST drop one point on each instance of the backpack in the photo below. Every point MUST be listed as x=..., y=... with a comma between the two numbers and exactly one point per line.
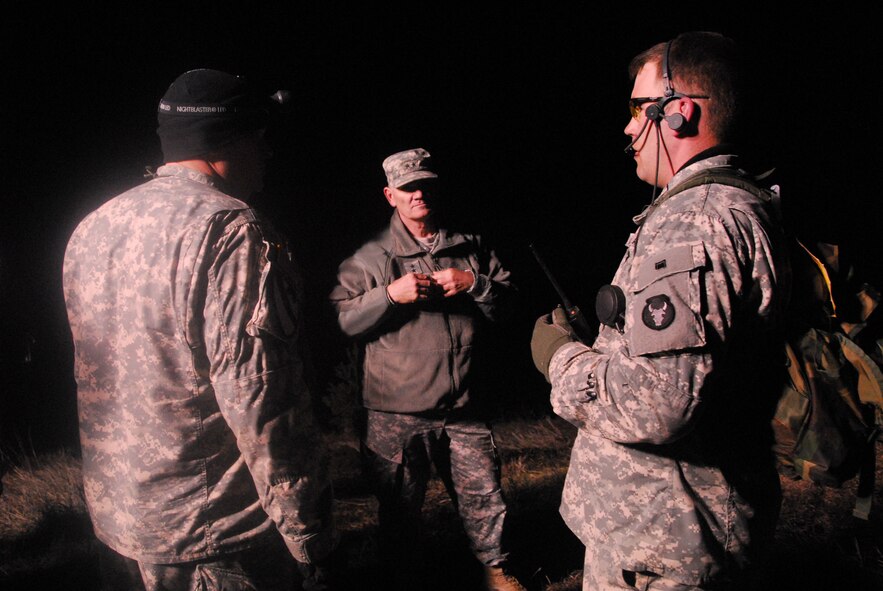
x=829, y=416
x=830, y=410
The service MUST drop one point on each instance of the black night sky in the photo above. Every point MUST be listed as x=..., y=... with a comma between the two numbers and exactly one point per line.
x=522, y=108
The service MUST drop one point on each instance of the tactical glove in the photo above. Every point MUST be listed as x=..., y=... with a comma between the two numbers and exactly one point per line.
x=549, y=333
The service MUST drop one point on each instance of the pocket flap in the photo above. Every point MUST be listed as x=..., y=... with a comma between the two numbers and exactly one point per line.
x=669, y=262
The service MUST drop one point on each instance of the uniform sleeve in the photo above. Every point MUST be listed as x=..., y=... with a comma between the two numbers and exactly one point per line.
x=646, y=385
x=493, y=289
x=629, y=399
x=252, y=330
x=360, y=297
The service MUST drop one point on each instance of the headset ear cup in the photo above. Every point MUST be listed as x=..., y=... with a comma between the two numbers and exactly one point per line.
x=654, y=112
x=676, y=122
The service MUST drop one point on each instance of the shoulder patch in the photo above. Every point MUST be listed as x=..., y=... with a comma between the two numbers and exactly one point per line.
x=658, y=312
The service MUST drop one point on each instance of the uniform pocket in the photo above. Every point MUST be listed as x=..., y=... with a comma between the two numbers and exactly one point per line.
x=211, y=578
x=276, y=310
x=663, y=312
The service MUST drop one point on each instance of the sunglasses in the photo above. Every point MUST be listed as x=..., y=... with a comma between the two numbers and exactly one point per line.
x=636, y=104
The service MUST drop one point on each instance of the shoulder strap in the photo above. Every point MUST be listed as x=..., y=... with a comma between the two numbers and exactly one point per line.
x=725, y=175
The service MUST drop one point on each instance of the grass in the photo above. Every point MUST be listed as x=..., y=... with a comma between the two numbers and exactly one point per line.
x=46, y=539
x=44, y=527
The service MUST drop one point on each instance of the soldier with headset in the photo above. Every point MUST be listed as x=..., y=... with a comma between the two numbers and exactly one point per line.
x=671, y=483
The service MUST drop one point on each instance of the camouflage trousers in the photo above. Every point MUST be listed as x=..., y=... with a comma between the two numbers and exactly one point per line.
x=633, y=582
x=603, y=576
x=399, y=452
x=268, y=567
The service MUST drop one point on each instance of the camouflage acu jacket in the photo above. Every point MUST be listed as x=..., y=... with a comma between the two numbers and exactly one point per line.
x=671, y=471
x=417, y=357
x=195, y=421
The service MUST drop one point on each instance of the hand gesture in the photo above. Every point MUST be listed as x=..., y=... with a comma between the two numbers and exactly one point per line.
x=453, y=281
x=410, y=288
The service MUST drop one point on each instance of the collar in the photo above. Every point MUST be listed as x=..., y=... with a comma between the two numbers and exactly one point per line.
x=720, y=155
x=182, y=172
x=718, y=150
x=406, y=245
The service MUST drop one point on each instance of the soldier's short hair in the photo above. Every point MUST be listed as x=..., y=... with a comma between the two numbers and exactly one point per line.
x=703, y=63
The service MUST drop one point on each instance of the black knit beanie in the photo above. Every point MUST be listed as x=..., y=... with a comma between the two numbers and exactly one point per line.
x=204, y=110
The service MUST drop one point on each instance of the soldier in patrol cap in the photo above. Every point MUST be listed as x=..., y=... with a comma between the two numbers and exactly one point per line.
x=672, y=484
x=418, y=297
x=201, y=461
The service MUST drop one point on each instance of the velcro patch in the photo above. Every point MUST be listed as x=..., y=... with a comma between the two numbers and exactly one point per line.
x=658, y=313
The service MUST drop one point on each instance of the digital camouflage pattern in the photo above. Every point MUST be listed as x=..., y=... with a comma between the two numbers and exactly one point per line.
x=671, y=471
x=466, y=460
x=402, y=168
x=261, y=567
x=195, y=420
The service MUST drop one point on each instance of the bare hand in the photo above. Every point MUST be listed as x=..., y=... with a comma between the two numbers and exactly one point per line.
x=453, y=281
x=411, y=288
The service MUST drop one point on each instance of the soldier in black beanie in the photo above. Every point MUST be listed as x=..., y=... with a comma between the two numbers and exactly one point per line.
x=204, y=110
x=202, y=464
x=208, y=118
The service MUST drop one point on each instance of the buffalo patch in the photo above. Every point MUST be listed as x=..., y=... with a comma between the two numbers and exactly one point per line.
x=658, y=313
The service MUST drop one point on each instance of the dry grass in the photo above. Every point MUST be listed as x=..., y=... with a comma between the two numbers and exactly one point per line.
x=44, y=527
x=821, y=545
x=57, y=478
x=45, y=534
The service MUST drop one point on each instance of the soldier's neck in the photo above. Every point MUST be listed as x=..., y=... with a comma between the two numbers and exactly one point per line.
x=420, y=228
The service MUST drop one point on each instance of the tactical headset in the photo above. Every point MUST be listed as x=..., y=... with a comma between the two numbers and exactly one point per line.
x=656, y=111
x=610, y=302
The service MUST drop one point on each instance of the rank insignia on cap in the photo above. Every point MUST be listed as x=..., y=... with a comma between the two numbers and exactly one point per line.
x=659, y=313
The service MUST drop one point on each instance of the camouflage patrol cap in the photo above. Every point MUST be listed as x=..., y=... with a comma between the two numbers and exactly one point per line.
x=404, y=167
x=204, y=110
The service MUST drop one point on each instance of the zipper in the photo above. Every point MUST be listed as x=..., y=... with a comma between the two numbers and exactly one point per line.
x=436, y=267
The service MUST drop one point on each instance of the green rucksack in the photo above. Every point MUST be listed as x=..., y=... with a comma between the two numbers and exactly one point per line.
x=829, y=415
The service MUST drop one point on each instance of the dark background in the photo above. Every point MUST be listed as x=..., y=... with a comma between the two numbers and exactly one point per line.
x=522, y=109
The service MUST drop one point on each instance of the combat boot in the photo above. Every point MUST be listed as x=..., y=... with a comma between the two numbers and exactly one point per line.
x=497, y=579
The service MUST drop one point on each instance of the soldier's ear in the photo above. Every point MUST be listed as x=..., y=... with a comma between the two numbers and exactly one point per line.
x=688, y=112
x=387, y=192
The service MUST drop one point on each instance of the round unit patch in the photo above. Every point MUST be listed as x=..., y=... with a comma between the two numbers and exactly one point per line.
x=659, y=312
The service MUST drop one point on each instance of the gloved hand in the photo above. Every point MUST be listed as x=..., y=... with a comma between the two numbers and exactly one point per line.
x=549, y=333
